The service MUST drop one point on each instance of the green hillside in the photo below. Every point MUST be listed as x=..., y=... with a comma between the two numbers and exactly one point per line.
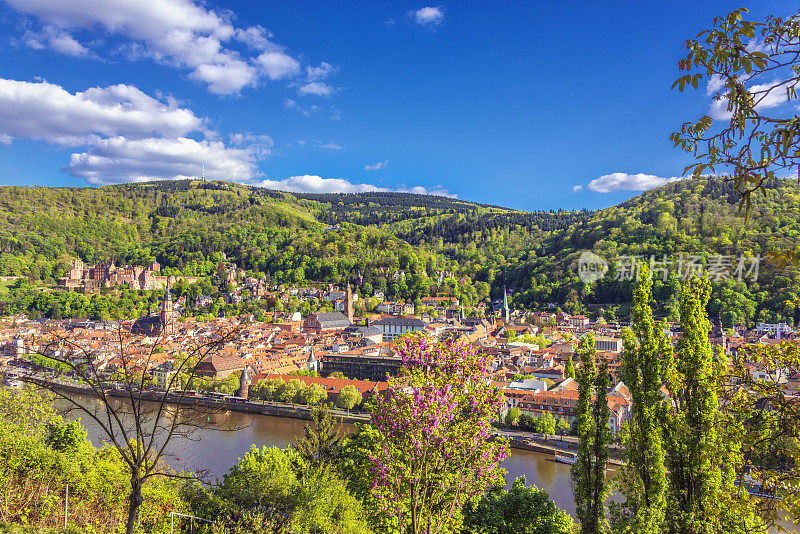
x=187, y=226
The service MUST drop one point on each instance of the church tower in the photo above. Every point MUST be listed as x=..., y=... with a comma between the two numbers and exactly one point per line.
x=348, y=303
x=506, y=312
x=312, y=363
x=168, y=315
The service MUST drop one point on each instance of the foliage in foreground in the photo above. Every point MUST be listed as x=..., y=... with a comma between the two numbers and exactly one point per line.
x=434, y=423
x=40, y=454
x=521, y=510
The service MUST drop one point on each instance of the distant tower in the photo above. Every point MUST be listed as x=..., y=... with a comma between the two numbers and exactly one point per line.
x=506, y=312
x=722, y=335
x=461, y=312
x=348, y=302
x=204, y=172
x=312, y=363
x=244, y=383
x=168, y=315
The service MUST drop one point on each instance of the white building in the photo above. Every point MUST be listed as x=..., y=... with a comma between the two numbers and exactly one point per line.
x=776, y=329
x=391, y=327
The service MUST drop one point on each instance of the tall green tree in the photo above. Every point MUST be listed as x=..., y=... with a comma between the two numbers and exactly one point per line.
x=770, y=439
x=643, y=479
x=546, y=424
x=569, y=369
x=349, y=397
x=701, y=462
x=320, y=439
x=588, y=472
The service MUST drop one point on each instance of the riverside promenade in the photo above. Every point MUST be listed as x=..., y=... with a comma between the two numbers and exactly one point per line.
x=516, y=440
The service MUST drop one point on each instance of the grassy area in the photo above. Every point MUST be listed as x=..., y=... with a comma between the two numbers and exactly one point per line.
x=28, y=529
x=4, y=287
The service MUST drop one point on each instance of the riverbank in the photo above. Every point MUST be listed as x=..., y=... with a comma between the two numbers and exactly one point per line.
x=536, y=444
x=274, y=409
x=224, y=404
x=213, y=448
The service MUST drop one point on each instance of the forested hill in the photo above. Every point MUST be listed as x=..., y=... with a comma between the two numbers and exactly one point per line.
x=188, y=225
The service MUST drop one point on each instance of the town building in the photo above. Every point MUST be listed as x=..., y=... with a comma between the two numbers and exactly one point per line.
x=360, y=366
x=579, y=321
x=778, y=330
x=608, y=344
x=391, y=327
x=320, y=322
x=396, y=308
x=163, y=373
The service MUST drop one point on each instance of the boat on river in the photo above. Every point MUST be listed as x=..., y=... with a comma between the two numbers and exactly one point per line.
x=565, y=457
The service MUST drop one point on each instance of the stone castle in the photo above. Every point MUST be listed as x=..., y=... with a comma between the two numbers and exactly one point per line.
x=91, y=278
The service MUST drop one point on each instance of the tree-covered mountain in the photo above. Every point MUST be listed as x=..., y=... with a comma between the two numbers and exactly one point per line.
x=443, y=245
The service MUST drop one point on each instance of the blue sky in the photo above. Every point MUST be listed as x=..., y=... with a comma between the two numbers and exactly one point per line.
x=521, y=104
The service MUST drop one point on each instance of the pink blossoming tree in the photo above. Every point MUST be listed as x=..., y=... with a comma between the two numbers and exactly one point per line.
x=434, y=422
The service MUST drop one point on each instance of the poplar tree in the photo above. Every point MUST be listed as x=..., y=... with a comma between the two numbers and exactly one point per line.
x=643, y=479
x=588, y=472
x=701, y=460
x=569, y=369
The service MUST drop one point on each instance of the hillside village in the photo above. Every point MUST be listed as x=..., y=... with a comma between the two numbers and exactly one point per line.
x=530, y=353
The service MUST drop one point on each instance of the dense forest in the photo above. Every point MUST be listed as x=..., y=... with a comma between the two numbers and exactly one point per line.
x=442, y=245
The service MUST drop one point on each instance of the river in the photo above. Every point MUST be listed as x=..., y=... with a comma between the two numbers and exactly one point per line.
x=215, y=450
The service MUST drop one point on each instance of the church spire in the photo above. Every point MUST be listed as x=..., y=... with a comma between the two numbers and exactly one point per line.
x=168, y=314
x=506, y=311
x=348, y=302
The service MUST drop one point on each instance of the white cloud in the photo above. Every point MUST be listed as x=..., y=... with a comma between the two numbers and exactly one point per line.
x=766, y=96
x=313, y=83
x=278, y=65
x=128, y=135
x=715, y=83
x=331, y=146
x=121, y=160
x=260, y=145
x=437, y=190
x=316, y=184
x=306, y=111
x=377, y=166
x=577, y=188
x=620, y=181
x=224, y=78
x=320, y=72
x=429, y=16
x=316, y=88
x=172, y=32
x=57, y=39
x=256, y=37
x=47, y=112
